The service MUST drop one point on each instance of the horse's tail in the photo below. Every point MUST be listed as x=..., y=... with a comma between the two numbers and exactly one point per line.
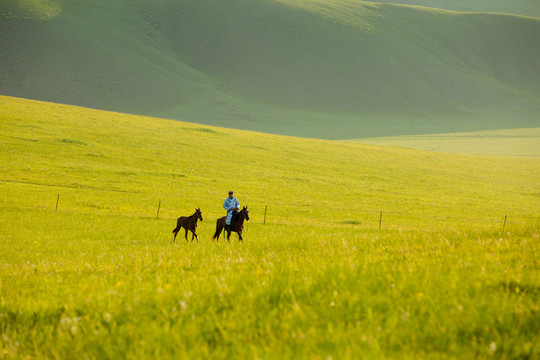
x=218, y=231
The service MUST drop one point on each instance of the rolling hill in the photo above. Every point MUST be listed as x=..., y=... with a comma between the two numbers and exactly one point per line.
x=119, y=158
x=328, y=69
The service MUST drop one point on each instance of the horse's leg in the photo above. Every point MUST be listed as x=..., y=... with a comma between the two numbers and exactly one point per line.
x=196, y=237
x=221, y=227
x=228, y=235
x=218, y=231
x=186, y=235
x=240, y=236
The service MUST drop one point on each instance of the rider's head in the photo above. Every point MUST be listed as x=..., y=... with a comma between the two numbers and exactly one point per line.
x=231, y=194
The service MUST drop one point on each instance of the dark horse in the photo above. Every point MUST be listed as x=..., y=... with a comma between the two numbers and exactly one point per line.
x=188, y=223
x=237, y=225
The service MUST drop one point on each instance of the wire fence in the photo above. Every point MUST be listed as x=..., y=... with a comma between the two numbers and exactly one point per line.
x=372, y=219
x=384, y=218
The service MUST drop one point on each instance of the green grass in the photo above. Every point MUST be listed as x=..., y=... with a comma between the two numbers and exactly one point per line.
x=522, y=7
x=325, y=69
x=33, y=9
x=101, y=277
x=514, y=142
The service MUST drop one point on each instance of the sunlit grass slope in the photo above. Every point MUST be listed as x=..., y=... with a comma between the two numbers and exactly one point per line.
x=520, y=7
x=127, y=157
x=101, y=278
x=513, y=142
x=327, y=69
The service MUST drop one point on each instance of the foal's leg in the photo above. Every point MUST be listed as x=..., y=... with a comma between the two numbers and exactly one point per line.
x=186, y=235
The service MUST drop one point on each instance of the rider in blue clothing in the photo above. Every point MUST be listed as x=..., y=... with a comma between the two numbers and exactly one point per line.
x=231, y=205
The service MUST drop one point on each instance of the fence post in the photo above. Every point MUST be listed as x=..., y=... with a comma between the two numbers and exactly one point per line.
x=57, y=200
x=380, y=220
x=159, y=206
x=265, y=206
x=504, y=223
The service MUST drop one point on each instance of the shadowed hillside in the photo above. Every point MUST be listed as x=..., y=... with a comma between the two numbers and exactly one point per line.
x=330, y=69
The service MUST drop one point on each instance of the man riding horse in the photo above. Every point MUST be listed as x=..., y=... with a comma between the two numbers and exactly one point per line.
x=231, y=205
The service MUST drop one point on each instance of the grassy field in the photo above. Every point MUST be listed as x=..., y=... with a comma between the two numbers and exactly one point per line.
x=101, y=278
x=511, y=142
x=333, y=69
x=521, y=7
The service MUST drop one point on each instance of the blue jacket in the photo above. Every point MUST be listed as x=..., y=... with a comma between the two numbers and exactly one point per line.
x=231, y=204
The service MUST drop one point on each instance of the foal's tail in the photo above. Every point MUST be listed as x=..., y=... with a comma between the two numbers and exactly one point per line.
x=218, y=231
x=177, y=228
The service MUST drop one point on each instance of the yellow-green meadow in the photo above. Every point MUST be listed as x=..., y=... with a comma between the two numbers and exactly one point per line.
x=510, y=142
x=365, y=251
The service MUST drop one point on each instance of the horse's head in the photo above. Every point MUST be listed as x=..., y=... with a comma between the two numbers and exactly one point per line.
x=245, y=212
x=198, y=212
